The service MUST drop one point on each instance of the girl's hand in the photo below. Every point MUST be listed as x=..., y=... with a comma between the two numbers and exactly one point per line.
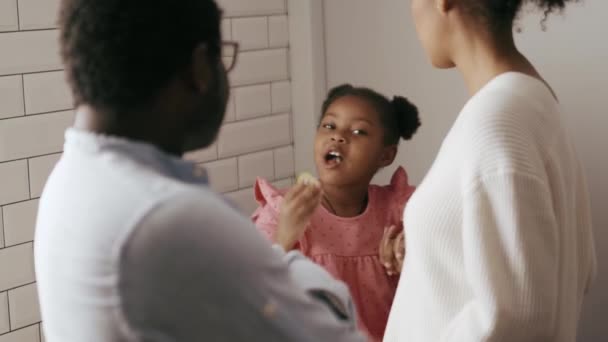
x=296, y=210
x=392, y=250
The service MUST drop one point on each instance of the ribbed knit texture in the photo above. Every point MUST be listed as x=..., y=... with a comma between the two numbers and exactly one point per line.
x=499, y=236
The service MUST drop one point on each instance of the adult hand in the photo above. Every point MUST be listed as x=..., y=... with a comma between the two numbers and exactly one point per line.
x=392, y=250
x=399, y=250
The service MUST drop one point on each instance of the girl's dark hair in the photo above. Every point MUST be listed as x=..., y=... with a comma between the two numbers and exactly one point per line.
x=398, y=116
x=500, y=14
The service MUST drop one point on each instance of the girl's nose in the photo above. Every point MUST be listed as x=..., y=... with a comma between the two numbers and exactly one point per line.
x=338, y=138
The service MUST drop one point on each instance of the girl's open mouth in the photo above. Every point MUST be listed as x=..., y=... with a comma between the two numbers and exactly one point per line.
x=333, y=158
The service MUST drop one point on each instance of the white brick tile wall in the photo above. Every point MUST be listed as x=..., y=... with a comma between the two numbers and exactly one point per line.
x=8, y=15
x=29, y=334
x=226, y=29
x=46, y=92
x=16, y=266
x=24, y=308
x=230, y=109
x=40, y=168
x=240, y=8
x=251, y=33
x=284, y=162
x=19, y=222
x=36, y=108
x=283, y=183
x=254, y=135
x=36, y=14
x=13, y=182
x=252, y=101
x=255, y=67
x=203, y=155
x=278, y=29
x=11, y=96
x=254, y=165
x=33, y=135
x=1, y=230
x=29, y=51
x=4, y=321
x=223, y=175
x=281, y=97
x=244, y=200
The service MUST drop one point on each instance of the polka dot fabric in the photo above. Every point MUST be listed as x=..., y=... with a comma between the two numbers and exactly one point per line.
x=348, y=246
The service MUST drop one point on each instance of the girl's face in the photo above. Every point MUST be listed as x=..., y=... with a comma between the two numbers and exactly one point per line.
x=349, y=144
x=432, y=26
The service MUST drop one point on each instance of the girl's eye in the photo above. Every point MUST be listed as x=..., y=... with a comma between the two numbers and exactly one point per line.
x=328, y=126
x=359, y=132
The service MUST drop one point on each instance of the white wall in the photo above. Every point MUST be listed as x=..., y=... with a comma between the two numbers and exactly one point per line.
x=307, y=57
x=373, y=43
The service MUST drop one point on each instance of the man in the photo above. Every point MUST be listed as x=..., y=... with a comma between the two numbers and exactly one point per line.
x=130, y=243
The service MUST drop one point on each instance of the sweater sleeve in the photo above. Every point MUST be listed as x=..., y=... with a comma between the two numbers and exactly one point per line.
x=511, y=247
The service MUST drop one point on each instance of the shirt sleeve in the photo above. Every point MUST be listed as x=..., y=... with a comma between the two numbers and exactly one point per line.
x=194, y=270
x=510, y=246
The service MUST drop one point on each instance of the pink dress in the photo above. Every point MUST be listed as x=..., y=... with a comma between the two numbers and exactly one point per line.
x=348, y=246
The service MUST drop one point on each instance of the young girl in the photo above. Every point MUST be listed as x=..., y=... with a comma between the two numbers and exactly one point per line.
x=358, y=134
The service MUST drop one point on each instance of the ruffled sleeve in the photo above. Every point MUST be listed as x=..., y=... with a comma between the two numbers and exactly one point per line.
x=266, y=215
x=399, y=192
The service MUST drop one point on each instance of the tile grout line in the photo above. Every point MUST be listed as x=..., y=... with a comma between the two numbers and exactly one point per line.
x=18, y=287
x=3, y=234
x=29, y=179
x=32, y=29
x=19, y=329
x=30, y=72
x=31, y=157
x=266, y=116
x=8, y=307
x=26, y=116
x=23, y=94
x=268, y=32
x=17, y=245
x=18, y=19
x=238, y=171
x=8, y=313
x=269, y=149
x=271, y=98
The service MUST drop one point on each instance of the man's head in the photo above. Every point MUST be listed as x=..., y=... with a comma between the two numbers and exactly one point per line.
x=127, y=59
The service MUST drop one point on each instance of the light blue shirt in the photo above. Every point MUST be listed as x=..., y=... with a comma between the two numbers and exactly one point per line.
x=131, y=245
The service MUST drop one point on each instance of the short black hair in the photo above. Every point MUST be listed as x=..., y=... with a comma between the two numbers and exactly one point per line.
x=119, y=53
x=500, y=14
x=399, y=117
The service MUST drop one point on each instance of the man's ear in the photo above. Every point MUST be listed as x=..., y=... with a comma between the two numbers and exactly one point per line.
x=200, y=69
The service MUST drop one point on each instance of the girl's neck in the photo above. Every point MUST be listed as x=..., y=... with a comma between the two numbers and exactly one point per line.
x=345, y=201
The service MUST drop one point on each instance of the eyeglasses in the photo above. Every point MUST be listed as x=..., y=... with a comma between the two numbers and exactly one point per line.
x=230, y=52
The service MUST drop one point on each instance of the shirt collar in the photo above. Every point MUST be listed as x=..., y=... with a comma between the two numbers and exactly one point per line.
x=142, y=153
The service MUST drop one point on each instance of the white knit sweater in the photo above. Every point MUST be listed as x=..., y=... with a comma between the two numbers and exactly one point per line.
x=499, y=237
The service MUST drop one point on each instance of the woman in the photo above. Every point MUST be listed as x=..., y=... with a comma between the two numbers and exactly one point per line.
x=499, y=241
